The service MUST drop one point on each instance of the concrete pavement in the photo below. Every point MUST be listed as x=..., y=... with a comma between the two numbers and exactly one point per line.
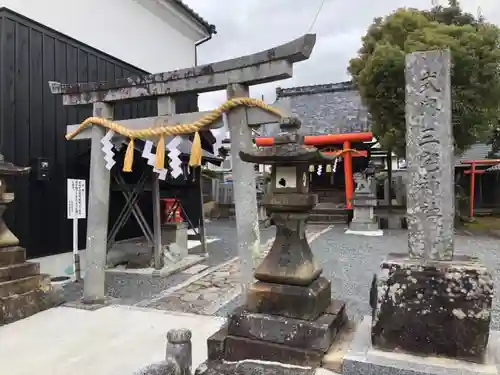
x=114, y=340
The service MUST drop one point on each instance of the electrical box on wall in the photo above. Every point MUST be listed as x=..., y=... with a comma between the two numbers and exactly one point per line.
x=42, y=169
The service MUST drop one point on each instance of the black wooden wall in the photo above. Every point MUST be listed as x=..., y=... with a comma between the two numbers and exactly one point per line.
x=33, y=123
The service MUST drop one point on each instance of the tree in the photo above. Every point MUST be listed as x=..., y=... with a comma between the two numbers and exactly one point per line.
x=378, y=70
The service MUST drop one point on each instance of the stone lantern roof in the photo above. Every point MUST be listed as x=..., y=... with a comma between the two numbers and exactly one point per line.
x=9, y=169
x=288, y=148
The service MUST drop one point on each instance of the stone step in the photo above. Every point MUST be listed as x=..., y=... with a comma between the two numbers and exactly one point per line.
x=222, y=346
x=19, y=306
x=338, y=200
x=12, y=255
x=22, y=306
x=329, y=210
x=19, y=286
x=328, y=218
x=18, y=271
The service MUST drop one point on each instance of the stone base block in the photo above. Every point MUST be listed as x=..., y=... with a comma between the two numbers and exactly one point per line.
x=315, y=335
x=20, y=306
x=362, y=358
x=12, y=255
x=250, y=368
x=223, y=347
x=432, y=308
x=254, y=336
x=370, y=233
x=18, y=271
x=363, y=226
x=240, y=348
x=291, y=301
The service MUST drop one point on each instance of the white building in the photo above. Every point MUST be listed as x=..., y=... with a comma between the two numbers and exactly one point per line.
x=153, y=35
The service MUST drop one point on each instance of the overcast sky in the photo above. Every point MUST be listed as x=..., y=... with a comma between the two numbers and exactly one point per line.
x=248, y=26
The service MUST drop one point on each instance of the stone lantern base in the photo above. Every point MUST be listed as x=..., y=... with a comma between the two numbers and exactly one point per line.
x=255, y=331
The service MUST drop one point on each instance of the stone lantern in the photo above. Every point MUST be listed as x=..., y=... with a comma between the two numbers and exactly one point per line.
x=23, y=290
x=7, y=238
x=289, y=315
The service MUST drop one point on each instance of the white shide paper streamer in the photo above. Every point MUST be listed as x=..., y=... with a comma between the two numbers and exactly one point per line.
x=150, y=157
x=107, y=148
x=173, y=154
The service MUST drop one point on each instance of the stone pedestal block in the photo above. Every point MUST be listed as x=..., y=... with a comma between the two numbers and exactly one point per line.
x=251, y=368
x=433, y=307
x=315, y=335
x=263, y=337
x=291, y=301
x=363, y=214
x=362, y=358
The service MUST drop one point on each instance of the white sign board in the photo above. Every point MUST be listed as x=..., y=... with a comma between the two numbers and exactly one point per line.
x=76, y=199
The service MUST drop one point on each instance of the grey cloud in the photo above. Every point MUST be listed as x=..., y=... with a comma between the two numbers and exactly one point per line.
x=249, y=26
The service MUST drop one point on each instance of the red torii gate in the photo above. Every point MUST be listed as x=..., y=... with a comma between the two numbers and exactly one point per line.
x=334, y=139
x=472, y=172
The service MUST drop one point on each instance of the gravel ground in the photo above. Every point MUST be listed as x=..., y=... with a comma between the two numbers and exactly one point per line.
x=350, y=262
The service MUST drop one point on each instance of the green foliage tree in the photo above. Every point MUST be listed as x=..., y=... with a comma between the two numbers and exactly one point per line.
x=378, y=70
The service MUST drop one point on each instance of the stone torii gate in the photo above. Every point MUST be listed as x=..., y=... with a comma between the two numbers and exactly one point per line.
x=235, y=76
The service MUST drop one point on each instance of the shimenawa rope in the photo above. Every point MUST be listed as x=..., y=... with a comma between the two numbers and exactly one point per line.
x=180, y=129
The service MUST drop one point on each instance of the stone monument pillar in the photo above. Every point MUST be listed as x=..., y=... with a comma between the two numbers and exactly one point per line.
x=446, y=300
x=289, y=315
x=364, y=203
x=427, y=301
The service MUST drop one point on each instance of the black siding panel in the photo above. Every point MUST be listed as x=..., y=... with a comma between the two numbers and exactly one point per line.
x=33, y=124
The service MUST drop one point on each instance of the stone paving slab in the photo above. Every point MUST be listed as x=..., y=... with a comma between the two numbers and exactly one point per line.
x=207, y=293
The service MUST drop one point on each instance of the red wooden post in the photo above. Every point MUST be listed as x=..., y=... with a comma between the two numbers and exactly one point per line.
x=349, y=188
x=472, y=189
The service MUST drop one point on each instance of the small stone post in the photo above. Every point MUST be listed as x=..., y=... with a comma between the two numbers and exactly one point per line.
x=179, y=348
x=94, y=288
x=245, y=191
x=178, y=357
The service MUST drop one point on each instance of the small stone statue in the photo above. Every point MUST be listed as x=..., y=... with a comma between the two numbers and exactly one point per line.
x=362, y=182
x=178, y=356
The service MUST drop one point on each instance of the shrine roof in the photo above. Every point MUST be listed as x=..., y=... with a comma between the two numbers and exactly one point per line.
x=478, y=151
x=333, y=108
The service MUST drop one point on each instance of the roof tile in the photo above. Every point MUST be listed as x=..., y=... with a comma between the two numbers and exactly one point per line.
x=331, y=108
x=210, y=28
